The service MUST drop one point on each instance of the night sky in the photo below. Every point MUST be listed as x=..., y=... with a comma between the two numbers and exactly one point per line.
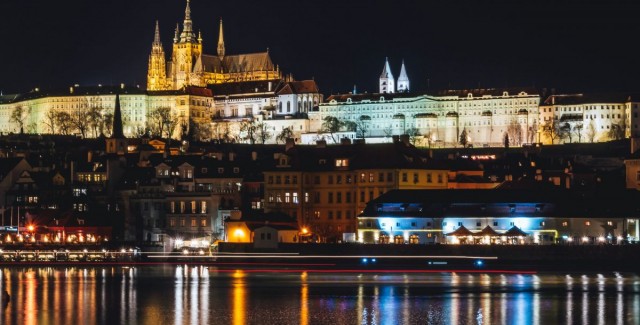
x=566, y=45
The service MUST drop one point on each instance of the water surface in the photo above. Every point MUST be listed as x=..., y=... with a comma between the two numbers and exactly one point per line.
x=173, y=294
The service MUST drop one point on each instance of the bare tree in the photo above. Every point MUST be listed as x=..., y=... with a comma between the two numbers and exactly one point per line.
x=566, y=130
x=220, y=131
x=19, y=116
x=331, y=125
x=533, y=129
x=65, y=123
x=94, y=116
x=251, y=131
x=388, y=131
x=514, y=129
x=363, y=126
x=50, y=121
x=284, y=134
x=80, y=120
x=413, y=134
x=350, y=126
x=107, y=124
x=553, y=130
x=577, y=131
x=590, y=133
x=616, y=132
x=262, y=132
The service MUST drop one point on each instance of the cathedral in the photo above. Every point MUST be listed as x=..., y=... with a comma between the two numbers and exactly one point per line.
x=189, y=66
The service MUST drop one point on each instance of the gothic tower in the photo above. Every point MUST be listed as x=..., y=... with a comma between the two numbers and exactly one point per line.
x=403, y=80
x=157, y=73
x=117, y=142
x=221, y=42
x=387, y=83
x=186, y=49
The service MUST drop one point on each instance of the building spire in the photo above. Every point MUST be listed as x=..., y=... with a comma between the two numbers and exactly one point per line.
x=117, y=132
x=387, y=83
x=403, y=80
x=221, y=41
x=156, y=37
x=176, y=36
x=187, y=34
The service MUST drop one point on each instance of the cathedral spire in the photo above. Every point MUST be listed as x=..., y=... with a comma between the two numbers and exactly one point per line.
x=387, y=83
x=221, y=41
x=117, y=132
x=156, y=37
x=176, y=36
x=187, y=34
x=403, y=80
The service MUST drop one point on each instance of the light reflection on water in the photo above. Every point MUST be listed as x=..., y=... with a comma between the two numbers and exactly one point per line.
x=205, y=295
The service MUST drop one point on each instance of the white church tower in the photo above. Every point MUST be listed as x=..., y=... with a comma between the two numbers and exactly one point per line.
x=387, y=83
x=403, y=80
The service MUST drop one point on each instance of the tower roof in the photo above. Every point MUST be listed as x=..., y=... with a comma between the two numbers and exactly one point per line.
x=187, y=34
x=403, y=73
x=117, y=132
x=221, y=41
x=386, y=71
x=156, y=37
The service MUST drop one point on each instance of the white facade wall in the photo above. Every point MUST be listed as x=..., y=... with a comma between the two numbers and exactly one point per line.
x=592, y=121
x=439, y=119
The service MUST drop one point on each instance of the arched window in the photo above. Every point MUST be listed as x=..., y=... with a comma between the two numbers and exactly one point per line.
x=280, y=107
x=288, y=106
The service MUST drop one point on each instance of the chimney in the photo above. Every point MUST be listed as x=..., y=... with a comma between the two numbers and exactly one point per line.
x=254, y=155
x=289, y=143
x=345, y=141
x=321, y=143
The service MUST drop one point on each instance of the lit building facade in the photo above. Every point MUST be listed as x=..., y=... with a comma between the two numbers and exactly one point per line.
x=594, y=117
x=499, y=217
x=189, y=66
x=438, y=119
x=326, y=187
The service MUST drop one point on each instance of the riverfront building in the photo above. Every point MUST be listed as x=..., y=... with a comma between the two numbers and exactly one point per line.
x=500, y=216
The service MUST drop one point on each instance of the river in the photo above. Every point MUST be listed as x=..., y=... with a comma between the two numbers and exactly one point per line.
x=187, y=294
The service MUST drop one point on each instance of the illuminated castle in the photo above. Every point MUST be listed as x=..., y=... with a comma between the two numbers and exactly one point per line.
x=189, y=66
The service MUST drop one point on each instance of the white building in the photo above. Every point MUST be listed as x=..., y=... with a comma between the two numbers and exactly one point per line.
x=439, y=118
x=387, y=82
x=589, y=117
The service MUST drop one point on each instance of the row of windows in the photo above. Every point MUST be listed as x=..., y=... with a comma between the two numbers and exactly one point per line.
x=182, y=222
x=182, y=205
x=416, y=178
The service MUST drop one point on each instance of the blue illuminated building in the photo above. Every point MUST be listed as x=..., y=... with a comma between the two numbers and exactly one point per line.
x=500, y=216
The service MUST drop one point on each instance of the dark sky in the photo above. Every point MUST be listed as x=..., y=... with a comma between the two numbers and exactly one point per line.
x=567, y=45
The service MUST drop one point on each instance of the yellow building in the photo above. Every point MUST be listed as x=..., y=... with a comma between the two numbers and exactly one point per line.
x=190, y=66
x=326, y=187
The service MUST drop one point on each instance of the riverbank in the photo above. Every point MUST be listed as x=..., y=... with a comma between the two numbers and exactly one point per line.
x=357, y=257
